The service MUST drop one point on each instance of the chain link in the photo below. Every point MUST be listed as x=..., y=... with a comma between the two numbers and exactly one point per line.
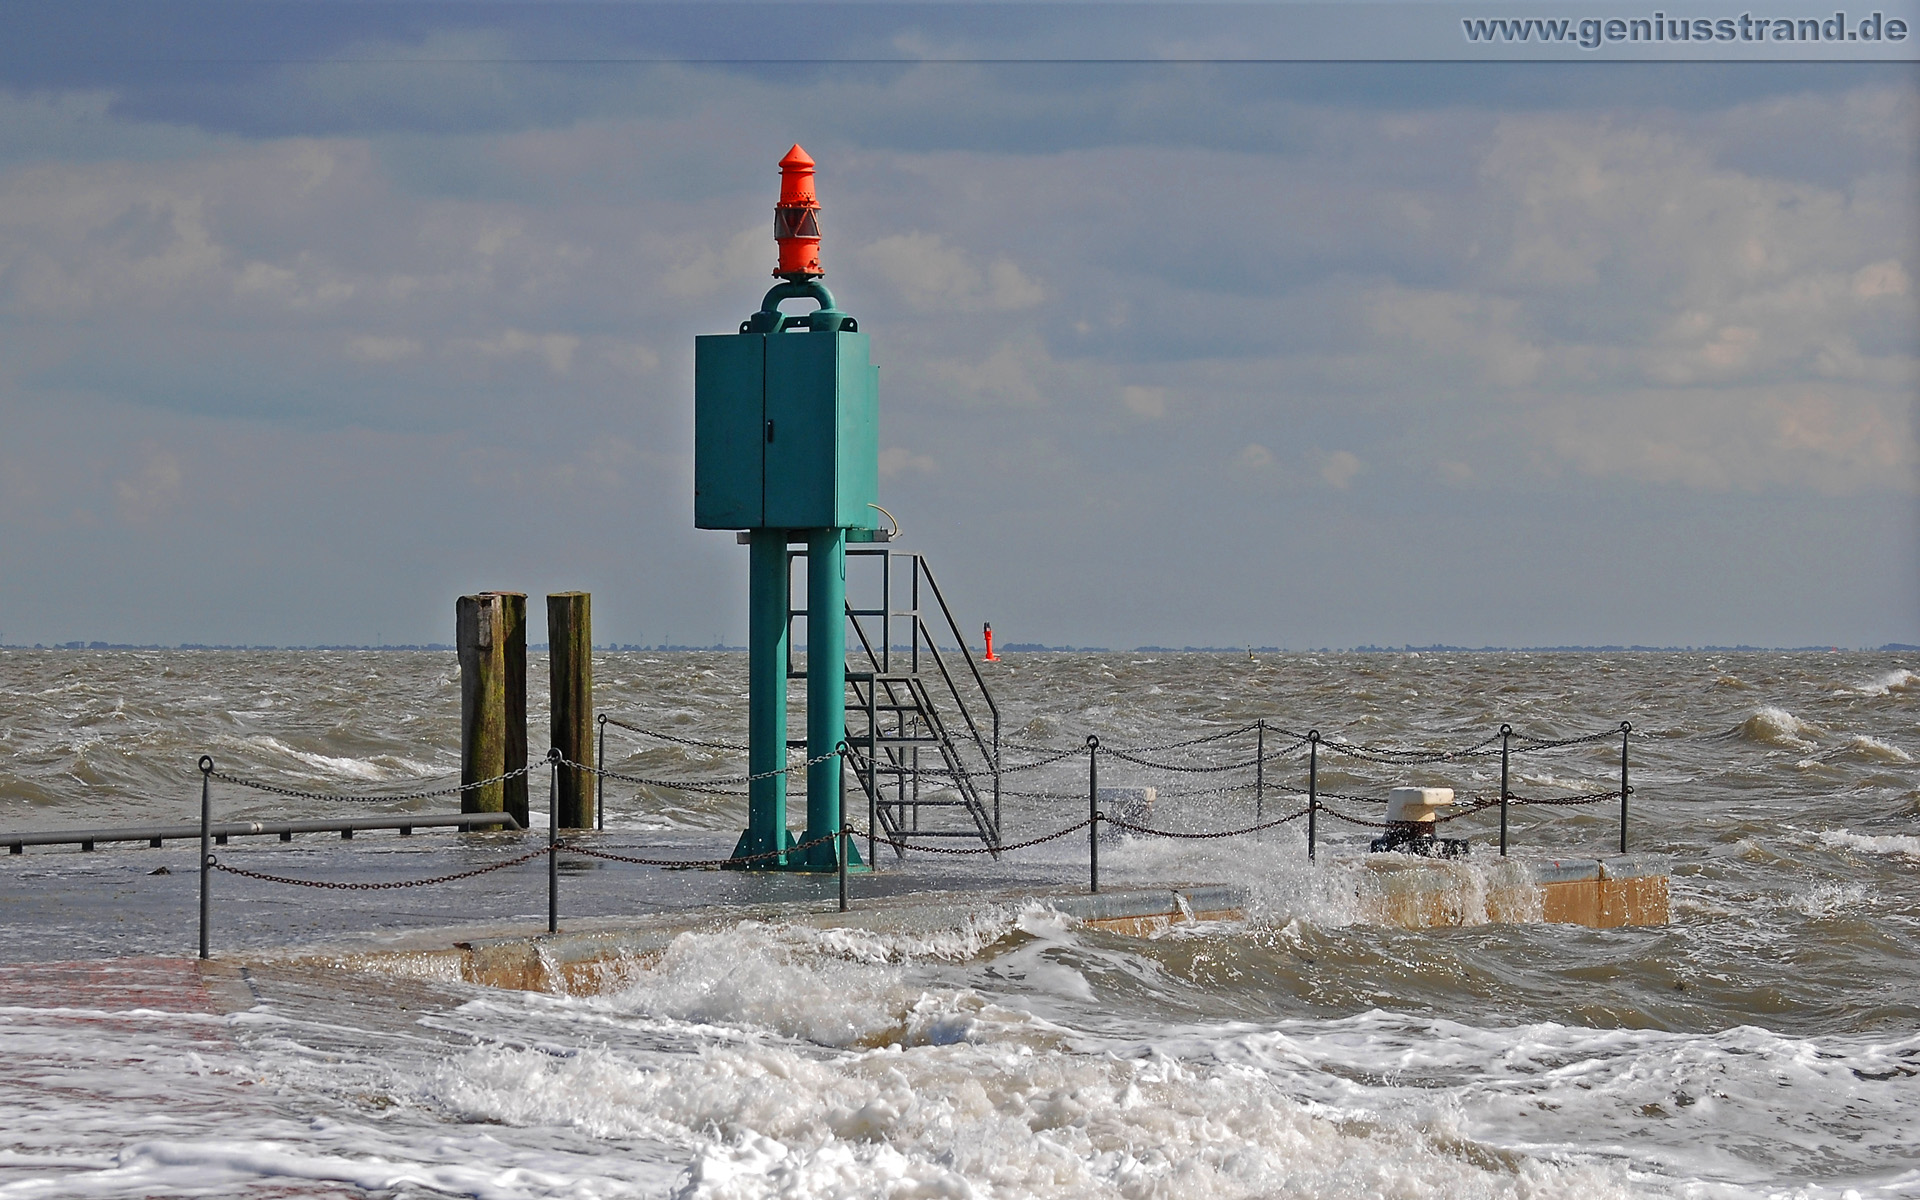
x=332, y=885
x=1198, y=741
x=897, y=842
x=1337, y=815
x=737, y=860
x=668, y=737
x=1410, y=756
x=1557, y=801
x=1117, y=823
x=1124, y=756
x=298, y=794
x=689, y=785
x=1381, y=754
x=1533, y=743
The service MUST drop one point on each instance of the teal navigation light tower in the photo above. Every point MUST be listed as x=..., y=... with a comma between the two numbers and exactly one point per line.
x=786, y=435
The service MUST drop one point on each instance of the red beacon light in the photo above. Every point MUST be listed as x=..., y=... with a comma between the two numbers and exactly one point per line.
x=796, y=220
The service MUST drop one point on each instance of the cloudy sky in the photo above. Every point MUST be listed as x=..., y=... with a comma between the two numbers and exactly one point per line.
x=296, y=347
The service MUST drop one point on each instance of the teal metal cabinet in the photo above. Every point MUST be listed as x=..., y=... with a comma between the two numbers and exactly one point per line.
x=786, y=431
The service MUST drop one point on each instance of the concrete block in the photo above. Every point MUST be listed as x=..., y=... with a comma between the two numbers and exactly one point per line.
x=1417, y=803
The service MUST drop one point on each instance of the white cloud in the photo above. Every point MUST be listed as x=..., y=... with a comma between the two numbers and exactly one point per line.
x=1834, y=440
x=1010, y=376
x=374, y=348
x=898, y=460
x=930, y=275
x=151, y=490
x=1885, y=278
x=1147, y=403
x=1665, y=317
x=630, y=358
x=741, y=263
x=1256, y=468
x=553, y=349
x=1339, y=467
x=1483, y=333
x=1617, y=288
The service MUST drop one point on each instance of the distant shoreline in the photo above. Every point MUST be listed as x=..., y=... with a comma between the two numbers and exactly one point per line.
x=1039, y=648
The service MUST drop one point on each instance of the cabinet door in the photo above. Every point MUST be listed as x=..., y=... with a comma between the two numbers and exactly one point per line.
x=803, y=385
x=729, y=431
x=857, y=482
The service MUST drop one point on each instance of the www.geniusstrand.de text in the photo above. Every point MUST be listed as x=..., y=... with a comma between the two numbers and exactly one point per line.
x=1592, y=33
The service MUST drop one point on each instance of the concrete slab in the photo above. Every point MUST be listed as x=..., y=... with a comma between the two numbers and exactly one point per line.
x=596, y=954
x=1601, y=893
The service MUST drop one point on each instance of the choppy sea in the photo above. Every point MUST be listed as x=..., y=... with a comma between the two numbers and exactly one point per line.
x=1766, y=1043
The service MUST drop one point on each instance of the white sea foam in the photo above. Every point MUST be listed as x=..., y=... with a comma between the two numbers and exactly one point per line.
x=1824, y=901
x=1743, y=1106
x=837, y=987
x=1884, y=843
x=768, y=1061
x=1874, y=749
x=1378, y=1104
x=1899, y=680
x=897, y=1088
x=993, y=1120
x=382, y=768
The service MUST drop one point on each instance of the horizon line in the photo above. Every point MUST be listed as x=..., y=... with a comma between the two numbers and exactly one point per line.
x=1013, y=648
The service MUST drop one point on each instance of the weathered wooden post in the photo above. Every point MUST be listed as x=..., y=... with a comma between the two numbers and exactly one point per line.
x=490, y=633
x=570, y=643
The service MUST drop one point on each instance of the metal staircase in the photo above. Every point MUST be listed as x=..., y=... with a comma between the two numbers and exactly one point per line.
x=928, y=768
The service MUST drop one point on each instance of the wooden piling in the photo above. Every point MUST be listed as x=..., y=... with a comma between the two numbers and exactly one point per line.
x=490, y=633
x=570, y=643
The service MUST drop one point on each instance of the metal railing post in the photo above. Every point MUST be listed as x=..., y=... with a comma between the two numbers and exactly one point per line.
x=1506, y=733
x=206, y=846
x=1259, y=771
x=846, y=844
x=873, y=771
x=1626, y=731
x=1313, y=791
x=600, y=778
x=996, y=774
x=1093, y=812
x=553, y=841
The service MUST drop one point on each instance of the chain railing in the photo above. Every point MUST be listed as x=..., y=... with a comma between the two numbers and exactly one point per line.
x=1316, y=803
x=364, y=797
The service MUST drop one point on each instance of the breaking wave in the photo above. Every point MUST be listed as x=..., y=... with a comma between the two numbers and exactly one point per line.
x=1775, y=726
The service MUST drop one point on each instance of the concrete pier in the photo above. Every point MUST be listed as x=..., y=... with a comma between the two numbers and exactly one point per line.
x=1423, y=893
x=596, y=954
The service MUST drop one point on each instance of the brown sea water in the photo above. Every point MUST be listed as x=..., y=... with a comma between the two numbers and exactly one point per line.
x=1765, y=1043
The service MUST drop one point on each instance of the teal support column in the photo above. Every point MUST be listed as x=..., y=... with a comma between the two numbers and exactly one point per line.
x=826, y=689
x=768, y=602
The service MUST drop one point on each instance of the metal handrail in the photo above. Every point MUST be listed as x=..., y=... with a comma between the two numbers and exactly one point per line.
x=979, y=680
x=884, y=676
x=960, y=640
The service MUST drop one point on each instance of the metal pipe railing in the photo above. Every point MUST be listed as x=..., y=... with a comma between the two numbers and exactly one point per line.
x=220, y=831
